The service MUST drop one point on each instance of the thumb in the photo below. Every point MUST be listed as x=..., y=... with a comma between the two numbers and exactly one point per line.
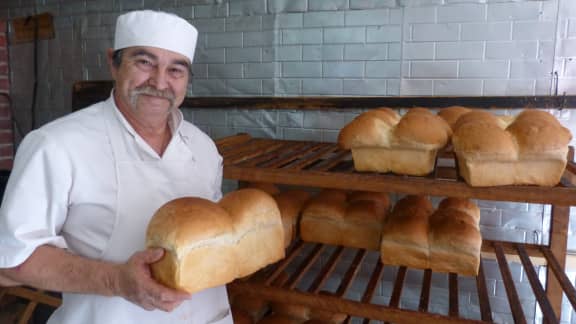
x=152, y=255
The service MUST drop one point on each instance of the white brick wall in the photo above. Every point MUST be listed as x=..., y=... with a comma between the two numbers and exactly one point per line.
x=334, y=47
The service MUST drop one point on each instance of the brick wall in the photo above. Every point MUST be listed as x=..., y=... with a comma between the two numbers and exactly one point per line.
x=6, y=137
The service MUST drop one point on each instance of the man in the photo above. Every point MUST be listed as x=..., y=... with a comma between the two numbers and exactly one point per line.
x=83, y=188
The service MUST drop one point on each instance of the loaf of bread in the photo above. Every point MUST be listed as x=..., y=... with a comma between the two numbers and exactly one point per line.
x=528, y=149
x=454, y=236
x=208, y=244
x=255, y=307
x=382, y=141
x=240, y=316
x=447, y=239
x=452, y=114
x=352, y=220
x=303, y=312
x=405, y=233
x=291, y=203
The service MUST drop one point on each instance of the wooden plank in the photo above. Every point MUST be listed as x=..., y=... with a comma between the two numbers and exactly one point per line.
x=483, y=299
x=323, y=150
x=453, y=295
x=563, y=280
x=371, y=287
x=293, y=154
x=425, y=291
x=231, y=141
x=398, y=284
x=545, y=306
x=511, y=293
x=351, y=273
x=329, y=163
x=341, y=305
x=280, y=266
x=399, y=184
x=304, y=266
x=327, y=270
x=251, y=150
x=270, y=154
x=559, y=220
x=34, y=295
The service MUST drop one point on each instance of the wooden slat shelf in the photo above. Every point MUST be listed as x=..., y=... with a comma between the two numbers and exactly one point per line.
x=302, y=261
x=325, y=165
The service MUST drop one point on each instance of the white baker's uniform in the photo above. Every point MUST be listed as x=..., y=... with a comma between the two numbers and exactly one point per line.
x=87, y=182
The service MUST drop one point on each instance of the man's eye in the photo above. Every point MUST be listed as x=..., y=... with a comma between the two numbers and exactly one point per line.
x=177, y=72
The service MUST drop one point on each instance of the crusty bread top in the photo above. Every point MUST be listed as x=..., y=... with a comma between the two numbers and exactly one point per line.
x=452, y=113
x=329, y=204
x=182, y=220
x=418, y=128
x=530, y=132
x=463, y=205
x=537, y=131
x=250, y=209
x=371, y=128
x=410, y=215
x=185, y=223
x=339, y=205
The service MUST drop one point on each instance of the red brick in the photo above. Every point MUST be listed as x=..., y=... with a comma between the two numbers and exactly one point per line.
x=3, y=55
x=4, y=84
x=5, y=124
x=2, y=26
x=6, y=164
x=5, y=112
x=3, y=40
x=6, y=150
x=4, y=69
x=6, y=137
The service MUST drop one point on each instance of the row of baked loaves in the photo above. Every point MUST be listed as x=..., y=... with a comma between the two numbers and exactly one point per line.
x=527, y=149
x=413, y=233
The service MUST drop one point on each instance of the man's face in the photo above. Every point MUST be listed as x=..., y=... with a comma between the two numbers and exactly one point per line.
x=150, y=82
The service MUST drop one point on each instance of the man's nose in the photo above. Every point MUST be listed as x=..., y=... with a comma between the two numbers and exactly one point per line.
x=158, y=79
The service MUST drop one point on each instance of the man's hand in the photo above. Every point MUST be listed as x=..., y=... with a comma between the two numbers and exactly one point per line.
x=134, y=282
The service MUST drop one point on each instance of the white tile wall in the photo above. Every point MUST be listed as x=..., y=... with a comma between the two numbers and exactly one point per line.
x=335, y=47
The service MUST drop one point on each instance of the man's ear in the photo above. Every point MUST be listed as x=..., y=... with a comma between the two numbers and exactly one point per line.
x=111, y=67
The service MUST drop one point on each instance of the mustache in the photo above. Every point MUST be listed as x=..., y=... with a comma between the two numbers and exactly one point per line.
x=150, y=91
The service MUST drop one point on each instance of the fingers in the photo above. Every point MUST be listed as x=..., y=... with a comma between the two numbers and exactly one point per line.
x=166, y=300
x=150, y=255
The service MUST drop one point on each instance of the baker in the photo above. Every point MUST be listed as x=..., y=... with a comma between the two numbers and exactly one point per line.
x=83, y=187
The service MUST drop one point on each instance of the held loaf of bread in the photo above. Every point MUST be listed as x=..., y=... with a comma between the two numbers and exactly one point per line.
x=383, y=141
x=528, y=149
x=209, y=244
x=352, y=220
x=447, y=239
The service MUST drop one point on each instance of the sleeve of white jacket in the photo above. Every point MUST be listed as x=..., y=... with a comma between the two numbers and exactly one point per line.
x=35, y=203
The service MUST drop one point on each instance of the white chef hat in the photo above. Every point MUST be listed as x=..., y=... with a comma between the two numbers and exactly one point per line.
x=156, y=29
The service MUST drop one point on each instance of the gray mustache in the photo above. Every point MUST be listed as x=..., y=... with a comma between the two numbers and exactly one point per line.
x=166, y=94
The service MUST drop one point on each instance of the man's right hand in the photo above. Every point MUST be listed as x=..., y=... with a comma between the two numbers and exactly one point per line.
x=134, y=282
